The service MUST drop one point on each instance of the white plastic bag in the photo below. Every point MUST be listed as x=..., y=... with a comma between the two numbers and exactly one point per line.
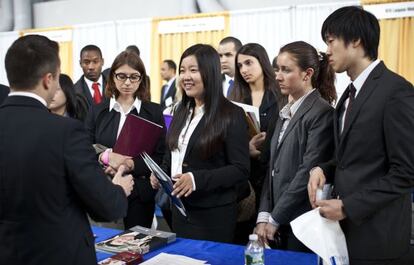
x=323, y=236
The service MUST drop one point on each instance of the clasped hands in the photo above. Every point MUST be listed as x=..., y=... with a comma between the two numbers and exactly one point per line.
x=125, y=181
x=266, y=232
x=116, y=160
x=183, y=185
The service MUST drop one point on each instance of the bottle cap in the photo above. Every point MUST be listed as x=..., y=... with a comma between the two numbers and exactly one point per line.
x=253, y=237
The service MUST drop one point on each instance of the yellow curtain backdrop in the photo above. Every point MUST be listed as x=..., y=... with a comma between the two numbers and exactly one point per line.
x=62, y=35
x=172, y=45
x=397, y=37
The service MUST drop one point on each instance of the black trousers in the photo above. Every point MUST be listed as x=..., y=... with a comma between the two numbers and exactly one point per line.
x=213, y=224
x=139, y=213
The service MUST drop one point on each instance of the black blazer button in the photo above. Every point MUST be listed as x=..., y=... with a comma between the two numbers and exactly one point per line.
x=185, y=164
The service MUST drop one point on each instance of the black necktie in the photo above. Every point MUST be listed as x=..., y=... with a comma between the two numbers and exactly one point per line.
x=351, y=96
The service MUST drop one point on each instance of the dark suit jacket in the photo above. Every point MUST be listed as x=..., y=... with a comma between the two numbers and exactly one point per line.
x=216, y=176
x=4, y=92
x=373, y=166
x=268, y=110
x=49, y=179
x=82, y=88
x=307, y=141
x=102, y=126
x=170, y=94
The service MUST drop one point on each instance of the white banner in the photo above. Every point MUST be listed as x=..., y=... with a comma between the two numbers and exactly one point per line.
x=191, y=25
x=56, y=35
x=391, y=10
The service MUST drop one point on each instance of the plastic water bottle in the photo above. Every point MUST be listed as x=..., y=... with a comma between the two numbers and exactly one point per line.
x=254, y=252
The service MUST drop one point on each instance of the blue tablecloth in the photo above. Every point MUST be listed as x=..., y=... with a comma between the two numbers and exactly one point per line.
x=213, y=252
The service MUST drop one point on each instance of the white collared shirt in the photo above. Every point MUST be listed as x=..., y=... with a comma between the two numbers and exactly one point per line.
x=226, y=84
x=168, y=86
x=358, y=83
x=113, y=104
x=30, y=95
x=288, y=111
x=177, y=155
x=90, y=82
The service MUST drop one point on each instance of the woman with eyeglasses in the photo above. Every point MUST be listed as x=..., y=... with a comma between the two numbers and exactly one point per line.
x=127, y=94
x=208, y=150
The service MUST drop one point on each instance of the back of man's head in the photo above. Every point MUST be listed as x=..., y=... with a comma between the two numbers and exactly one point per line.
x=237, y=43
x=29, y=58
x=134, y=49
x=352, y=23
x=89, y=48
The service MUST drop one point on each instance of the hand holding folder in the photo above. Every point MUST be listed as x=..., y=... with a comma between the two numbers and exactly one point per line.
x=165, y=182
x=138, y=135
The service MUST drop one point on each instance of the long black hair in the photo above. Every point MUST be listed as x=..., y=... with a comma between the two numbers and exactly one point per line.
x=241, y=91
x=217, y=109
x=76, y=104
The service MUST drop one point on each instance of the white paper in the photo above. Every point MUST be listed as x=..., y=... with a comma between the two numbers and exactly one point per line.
x=323, y=236
x=170, y=259
x=168, y=102
x=249, y=108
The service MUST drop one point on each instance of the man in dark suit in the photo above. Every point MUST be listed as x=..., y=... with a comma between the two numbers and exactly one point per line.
x=373, y=166
x=227, y=49
x=168, y=90
x=49, y=174
x=4, y=91
x=92, y=83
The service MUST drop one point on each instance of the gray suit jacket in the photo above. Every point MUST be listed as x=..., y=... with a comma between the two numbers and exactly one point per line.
x=307, y=141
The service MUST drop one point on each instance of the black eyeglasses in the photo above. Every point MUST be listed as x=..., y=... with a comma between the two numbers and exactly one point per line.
x=132, y=78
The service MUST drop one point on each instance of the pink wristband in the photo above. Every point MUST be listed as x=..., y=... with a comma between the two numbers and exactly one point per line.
x=105, y=157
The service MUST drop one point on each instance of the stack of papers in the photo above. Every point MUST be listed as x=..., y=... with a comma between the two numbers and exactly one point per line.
x=170, y=259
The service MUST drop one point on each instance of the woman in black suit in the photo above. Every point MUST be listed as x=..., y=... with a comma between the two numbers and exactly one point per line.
x=127, y=93
x=299, y=139
x=255, y=84
x=207, y=151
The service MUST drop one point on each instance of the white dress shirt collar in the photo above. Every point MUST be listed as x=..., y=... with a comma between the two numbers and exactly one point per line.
x=169, y=83
x=30, y=95
x=362, y=77
x=90, y=82
x=113, y=104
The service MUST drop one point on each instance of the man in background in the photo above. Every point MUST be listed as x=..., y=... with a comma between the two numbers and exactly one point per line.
x=50, y=178
x=227, y=50
x=168, y=90
x=92, y=83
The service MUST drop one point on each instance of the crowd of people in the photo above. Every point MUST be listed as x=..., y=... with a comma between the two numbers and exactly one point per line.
x=51, y=179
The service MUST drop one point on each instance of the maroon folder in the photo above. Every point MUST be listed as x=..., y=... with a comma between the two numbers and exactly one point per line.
x=137, y=135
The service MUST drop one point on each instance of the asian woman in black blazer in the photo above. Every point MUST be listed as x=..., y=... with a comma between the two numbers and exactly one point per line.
x=127, y=93
x=207, y=152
